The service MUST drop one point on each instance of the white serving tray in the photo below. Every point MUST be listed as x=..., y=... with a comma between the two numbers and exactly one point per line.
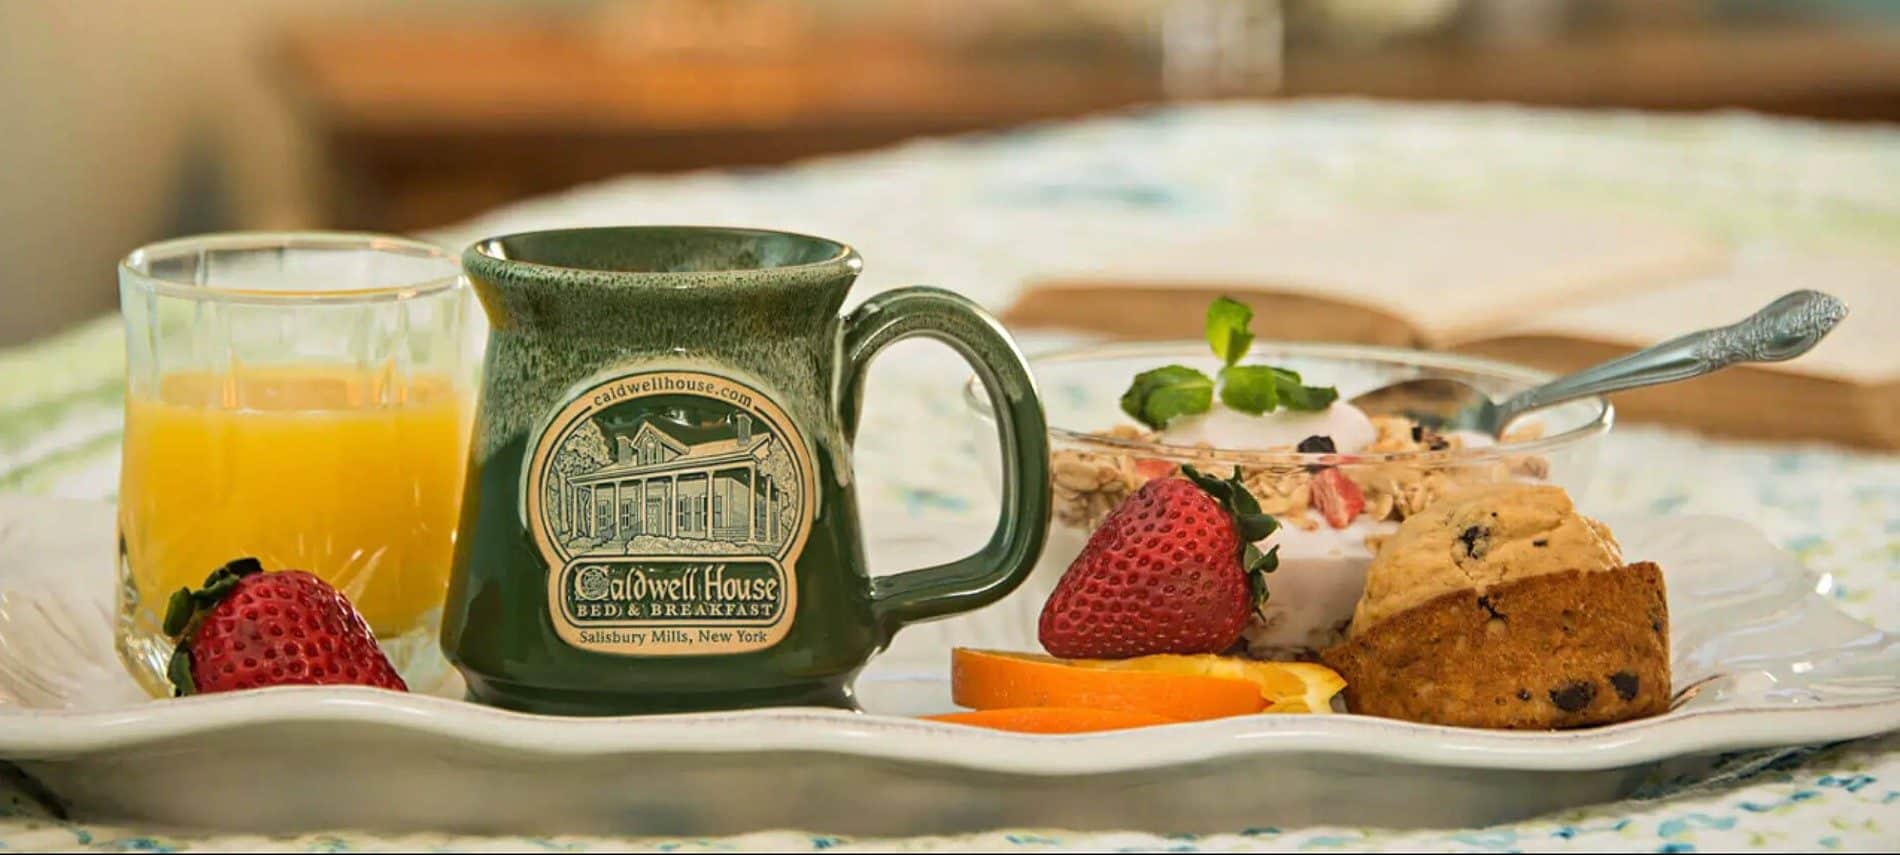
x=1772, y=663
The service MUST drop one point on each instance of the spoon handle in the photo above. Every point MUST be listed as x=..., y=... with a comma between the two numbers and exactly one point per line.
x=1784, y=329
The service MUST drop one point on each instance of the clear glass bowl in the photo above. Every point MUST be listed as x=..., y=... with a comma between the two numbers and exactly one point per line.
x=1322, y=569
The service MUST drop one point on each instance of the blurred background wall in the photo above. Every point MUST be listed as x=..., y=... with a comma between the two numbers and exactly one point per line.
x=132, y=120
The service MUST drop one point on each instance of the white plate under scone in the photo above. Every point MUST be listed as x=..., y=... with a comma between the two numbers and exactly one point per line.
x=1773, y=663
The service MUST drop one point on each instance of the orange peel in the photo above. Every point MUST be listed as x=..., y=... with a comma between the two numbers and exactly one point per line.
x=992, y=680
x=1052, y=719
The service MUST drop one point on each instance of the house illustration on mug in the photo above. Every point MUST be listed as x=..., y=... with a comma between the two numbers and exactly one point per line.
x=659, y=475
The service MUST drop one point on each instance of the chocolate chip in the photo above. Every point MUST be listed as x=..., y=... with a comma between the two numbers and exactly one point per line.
x=1541, y=542
x=1625, y=684
x=1485, y=603
x=1318, y=444
x=1575, y=696
x=1523, y=694
x=1418, y=433
x=1437, y=443
x=1476, y=540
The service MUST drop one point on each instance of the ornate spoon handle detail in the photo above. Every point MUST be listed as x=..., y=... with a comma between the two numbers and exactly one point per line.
x=1784, y=329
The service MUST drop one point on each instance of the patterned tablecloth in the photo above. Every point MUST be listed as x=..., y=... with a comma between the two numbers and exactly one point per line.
x=978, y=214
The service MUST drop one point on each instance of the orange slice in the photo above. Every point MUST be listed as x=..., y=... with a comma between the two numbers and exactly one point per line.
x=1287, y=686
x=1052, y=719
x=991, y=680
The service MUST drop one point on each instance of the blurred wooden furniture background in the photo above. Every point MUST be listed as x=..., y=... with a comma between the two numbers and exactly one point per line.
x=423, y=126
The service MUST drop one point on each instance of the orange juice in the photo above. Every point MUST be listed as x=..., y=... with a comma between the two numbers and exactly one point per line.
x=353, y=476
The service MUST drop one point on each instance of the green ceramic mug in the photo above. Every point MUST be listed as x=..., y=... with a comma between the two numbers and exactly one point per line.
x=659, y=512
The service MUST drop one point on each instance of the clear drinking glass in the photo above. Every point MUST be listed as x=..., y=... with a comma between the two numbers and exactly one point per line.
x=302, y=398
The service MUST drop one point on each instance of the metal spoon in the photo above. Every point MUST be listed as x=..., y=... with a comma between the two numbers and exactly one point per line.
x=1784, y=329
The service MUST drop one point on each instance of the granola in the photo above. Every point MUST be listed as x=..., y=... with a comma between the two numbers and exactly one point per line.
x=1090, y=483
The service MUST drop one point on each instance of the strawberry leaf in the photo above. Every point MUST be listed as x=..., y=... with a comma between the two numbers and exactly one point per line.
x=178, y=612
x=1258, y=565
x=182, y=613
x=1263, y=562
x=1220, y=490
x=1249, y=521
x=178, y=670
x=186, y=610
x=223, y=579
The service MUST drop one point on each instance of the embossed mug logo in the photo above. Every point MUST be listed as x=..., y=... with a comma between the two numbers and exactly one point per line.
x=671, y=507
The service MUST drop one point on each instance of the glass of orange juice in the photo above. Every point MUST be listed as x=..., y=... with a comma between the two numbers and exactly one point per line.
x=304, y=399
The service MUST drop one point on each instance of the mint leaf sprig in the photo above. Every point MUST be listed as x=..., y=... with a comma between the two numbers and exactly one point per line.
x=1160, y=395
x=1227, y=334
x=1259, y=389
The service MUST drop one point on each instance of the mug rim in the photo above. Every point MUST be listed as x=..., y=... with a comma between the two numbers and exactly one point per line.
x=844, y=256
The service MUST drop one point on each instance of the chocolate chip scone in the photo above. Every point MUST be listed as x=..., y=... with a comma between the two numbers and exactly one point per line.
x=1505, y=608
x=1569, y=649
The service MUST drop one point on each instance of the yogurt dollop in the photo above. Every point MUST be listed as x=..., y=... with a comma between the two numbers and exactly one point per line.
x=1227, y=428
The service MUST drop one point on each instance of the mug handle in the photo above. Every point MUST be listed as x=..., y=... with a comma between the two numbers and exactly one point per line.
x=1003, y=563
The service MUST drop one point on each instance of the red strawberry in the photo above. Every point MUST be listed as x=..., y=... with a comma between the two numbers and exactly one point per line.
x=246, y=629
x=1336, y=497
x=1171, y=570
